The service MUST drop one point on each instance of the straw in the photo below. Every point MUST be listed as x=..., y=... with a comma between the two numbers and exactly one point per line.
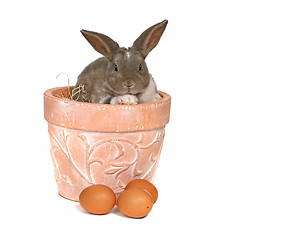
x=75, y=93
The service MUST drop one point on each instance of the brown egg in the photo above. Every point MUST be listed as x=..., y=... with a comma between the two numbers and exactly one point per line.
x=97, y=199
x=141, y=183
x=135, y=202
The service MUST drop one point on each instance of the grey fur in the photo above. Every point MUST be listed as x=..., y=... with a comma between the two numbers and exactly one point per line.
x=122, y=71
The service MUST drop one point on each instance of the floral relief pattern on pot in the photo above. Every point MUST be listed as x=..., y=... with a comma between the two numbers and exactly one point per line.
x=83, y=158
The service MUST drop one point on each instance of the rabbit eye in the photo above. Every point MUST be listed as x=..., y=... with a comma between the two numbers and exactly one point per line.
x=140, y=67
x=115, y=67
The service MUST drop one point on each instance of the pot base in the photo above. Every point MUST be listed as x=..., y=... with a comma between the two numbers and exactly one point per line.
x=83, y=158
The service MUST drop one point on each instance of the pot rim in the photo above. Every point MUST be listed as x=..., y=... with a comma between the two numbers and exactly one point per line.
x=105, y=117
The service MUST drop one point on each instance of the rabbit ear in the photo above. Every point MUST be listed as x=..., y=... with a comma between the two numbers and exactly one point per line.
x=101, y=43
x=149, y=38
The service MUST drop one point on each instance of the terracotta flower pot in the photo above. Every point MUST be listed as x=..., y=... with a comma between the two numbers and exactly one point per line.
x=103, y=143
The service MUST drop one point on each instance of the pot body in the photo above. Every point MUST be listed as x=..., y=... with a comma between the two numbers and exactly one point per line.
x=87, y=151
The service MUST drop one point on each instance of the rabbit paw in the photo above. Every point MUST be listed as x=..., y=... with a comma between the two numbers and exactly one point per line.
x=125, y=100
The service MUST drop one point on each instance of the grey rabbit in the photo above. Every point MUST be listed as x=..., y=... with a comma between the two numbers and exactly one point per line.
x=121, y=76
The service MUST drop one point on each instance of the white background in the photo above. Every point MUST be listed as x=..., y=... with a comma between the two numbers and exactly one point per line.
x=225, y=171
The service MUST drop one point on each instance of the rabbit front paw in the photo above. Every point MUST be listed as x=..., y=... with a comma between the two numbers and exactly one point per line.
x=125, y=100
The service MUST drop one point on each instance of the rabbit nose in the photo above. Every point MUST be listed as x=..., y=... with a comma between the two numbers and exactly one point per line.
x=129, y=85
